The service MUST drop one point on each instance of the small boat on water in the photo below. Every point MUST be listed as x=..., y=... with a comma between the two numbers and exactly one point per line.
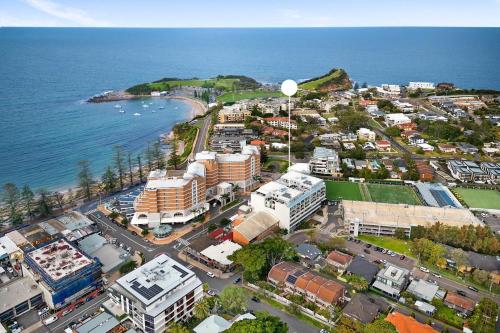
x=154, y=111
x=137, y=114
x=145, y=106
x=122, y=111
x=118, y=106
x=161, y=107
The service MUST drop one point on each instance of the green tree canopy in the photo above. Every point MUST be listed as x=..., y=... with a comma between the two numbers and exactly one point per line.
x=233, y=299
x=264, y=323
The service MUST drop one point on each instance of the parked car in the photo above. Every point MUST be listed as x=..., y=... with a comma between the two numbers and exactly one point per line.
x=462, y=293
x=368, y=246
x=50, y=320
x=423, y=269
x=10, y=270
x=436, y=275
x=473, y=288
x=402, y=257
x=377, y=261
x=384, y=251
x=255, y=299
x=43, y=310
x=211, y=292
x=210, y=274
x=238, y=280
x=366, y=251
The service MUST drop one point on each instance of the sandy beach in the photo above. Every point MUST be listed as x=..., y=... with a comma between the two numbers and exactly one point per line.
x=197, y=107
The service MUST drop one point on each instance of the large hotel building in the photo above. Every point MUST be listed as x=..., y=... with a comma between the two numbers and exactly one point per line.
x=169, y=200
x=241, y=169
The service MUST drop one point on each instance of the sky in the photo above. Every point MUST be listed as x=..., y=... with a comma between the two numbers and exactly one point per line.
x=254, y=13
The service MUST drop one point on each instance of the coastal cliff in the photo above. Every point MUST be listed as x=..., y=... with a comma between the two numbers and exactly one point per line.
x=334, y=80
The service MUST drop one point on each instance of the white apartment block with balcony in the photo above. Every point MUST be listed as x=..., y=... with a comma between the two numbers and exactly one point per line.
x=420, y=85
x=157, y=294
x=324, y=162
x=291, y=199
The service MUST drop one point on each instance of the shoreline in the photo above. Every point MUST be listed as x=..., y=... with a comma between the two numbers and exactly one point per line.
x=197, y=108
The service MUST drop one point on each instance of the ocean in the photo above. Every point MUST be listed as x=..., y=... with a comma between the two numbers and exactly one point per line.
x=47, y=74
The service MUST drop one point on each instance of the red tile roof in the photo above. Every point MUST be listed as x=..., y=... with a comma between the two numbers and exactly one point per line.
x=407, y=324
x=279, y=272
x=460, y=301
x=339, y=257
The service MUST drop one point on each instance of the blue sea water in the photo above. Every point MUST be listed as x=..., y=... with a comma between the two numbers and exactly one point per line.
x=46, y=74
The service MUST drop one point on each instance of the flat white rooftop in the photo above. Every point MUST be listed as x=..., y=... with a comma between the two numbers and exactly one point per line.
x=59, y=259
x=221, y=251
x=154, y=279
x=17, y=291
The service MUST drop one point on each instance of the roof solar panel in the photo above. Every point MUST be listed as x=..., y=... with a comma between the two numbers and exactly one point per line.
x=291, y=279
x=180, y=270
x=147, y=293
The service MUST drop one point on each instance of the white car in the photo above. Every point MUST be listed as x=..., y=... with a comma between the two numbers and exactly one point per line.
x=10, y=270
x=50, y=320
x=210, y=274
x=436, y=275
x=423, y=269
x=43, y=310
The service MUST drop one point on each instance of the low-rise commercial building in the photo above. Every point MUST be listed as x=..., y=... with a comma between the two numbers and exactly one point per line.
x=158, y=293
x=19, y=296
x=63, y=272
x=292, y=198
x=396, y=119
x=254, y=227
x=383, y=219
x=420, y=85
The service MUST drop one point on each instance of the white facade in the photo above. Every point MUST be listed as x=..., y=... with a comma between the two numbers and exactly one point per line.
x=366, y=134
x=281, y=122
x=291, y=199
x=420, y=85
x=158, y=293
x=324, y=161
x=394, y=119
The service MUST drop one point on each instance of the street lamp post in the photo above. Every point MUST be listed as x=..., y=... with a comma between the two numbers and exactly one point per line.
x=289, y=88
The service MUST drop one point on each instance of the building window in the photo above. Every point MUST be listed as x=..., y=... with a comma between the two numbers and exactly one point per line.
x=20, y=308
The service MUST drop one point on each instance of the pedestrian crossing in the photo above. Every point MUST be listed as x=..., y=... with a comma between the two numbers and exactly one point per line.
x=92, y=211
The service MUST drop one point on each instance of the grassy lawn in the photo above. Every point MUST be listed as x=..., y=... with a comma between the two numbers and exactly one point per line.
x=279, y=306
x=250, y=94
x=344, y=190
x=217, y=83
x=447, y=315
x=393, y=244
x=393, y=194
x=375, y=124
x=279, y=165
x=479, y=198
x=330, y=77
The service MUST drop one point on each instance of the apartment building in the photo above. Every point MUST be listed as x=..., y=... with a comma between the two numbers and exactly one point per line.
x=366, y=134
x=492, y=169
x=233, y=114
x=281, y=122
x=467, y=171
x=325, y=162
x=172, y=199
x=420, y=85
x=241, y=169
x=160, y=292
x=292, y=198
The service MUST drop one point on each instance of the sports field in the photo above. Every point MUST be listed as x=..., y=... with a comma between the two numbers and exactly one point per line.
x=479, y=198
x=397, y=194
x=343, y=190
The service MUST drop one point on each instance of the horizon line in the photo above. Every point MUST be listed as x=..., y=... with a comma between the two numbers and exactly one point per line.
x=249, y=27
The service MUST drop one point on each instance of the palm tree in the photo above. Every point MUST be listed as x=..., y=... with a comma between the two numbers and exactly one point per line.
x=202, y=309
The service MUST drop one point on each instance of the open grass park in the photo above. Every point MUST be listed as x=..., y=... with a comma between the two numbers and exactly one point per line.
x=478, y=198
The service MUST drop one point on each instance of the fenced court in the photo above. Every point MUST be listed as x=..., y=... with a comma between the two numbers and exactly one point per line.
x=398, y=194
x=478, y=198
x=343, y=190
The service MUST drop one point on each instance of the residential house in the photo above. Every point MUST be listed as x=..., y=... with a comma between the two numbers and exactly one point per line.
x=366, y=134
x=391, y=280
x=415, y=139
x=408, y=133
x=459, y=303
x=467, y=148
x=362, y=268
x=408, y=324
x=425, y=146
x=383, y=145
x=425, y=171
x=447, y=148
x=321, y=291
x=325, y=162
x=364, y=308
x=308, y=251
x=407, y=126
x=466, y=171
x=395, y=119
x=339, y=260
x=282, y=122
x=423, y=289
